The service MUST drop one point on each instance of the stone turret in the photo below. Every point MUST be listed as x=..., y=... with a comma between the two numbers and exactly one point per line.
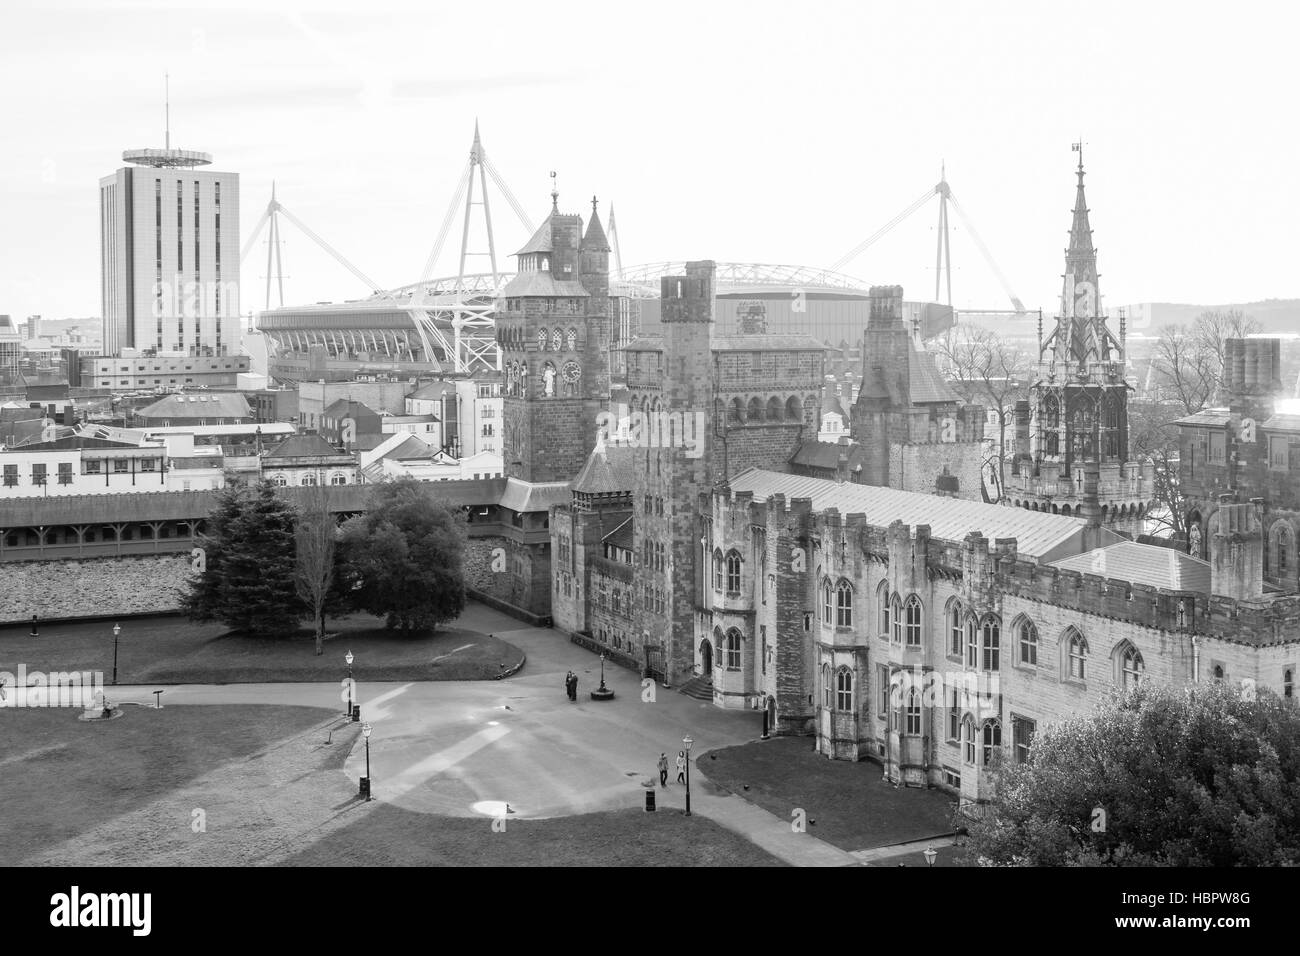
x=1237, y=552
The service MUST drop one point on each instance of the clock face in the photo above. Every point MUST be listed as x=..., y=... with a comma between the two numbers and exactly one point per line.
x=572, y=372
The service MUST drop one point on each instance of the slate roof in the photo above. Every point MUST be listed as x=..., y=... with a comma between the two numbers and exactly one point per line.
x=1209, y=417
x=433, y=390
x=524, y=496
x=1283, y=422
x=609, y=469
x=824, y=454
x=1038, y=534
x=1143, y=564
x=304, y=446
x=543, y=284
x=622, y=537
x=925, y=381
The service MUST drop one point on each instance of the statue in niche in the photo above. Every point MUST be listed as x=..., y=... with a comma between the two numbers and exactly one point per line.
x=548, y=380
x=1194, y=539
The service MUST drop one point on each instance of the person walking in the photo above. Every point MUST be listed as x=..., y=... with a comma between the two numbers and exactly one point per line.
x=681, y=766
x=663, y=770
x=573, y=687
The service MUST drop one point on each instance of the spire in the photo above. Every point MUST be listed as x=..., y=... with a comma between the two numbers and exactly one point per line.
x=1079, y=339
x=595, y=239
x=555, y=194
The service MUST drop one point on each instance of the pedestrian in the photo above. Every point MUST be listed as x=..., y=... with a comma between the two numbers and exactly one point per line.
x=681, y=766
x=663, y=770
x=568, y=684
x=573, y=688
x=36, y=631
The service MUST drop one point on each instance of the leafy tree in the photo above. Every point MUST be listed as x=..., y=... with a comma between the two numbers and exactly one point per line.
x=314, y=541
x=1204, y=776
x=247, y=580
x=402, y=559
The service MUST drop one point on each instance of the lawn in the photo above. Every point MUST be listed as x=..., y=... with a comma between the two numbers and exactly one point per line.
x=269, y=784
x=390, y=836
x=61, y=778
x=848, y=804
x=171, y=650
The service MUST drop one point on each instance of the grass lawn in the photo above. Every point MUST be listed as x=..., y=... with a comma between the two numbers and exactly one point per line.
x=60, y=777
x=853, y=808
x=171, y=650
x=390, y=836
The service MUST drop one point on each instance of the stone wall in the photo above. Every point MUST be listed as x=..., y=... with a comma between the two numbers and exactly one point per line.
x=94, y=587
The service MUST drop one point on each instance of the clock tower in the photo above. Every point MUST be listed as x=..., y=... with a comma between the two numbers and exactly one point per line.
x=554, y=329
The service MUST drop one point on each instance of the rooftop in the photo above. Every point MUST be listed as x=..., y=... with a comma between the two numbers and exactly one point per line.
x=1143, y=564
x=524, y=496
x=202, y=405
x=1039, y=535
x=609, y=469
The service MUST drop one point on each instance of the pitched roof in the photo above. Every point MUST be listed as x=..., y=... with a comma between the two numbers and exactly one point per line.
x=1143, y=564
x=1208, y=417
x=1283, y=422
x=831, y=405
x=925, y=382
x=523, y=496
x=201, y=405
x=541, y=239
x=433, y=390
x=824, y=454
x=543, y=284
x=1038, y=534
x=595, y=237
x=622, y=537
x=413, y=449
x=609, y=469
x=304, y=446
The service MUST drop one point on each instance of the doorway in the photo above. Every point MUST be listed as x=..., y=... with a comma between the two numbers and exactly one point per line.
x=706, y=658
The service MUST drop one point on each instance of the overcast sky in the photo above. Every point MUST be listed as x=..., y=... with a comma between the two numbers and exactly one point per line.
x=769, y=132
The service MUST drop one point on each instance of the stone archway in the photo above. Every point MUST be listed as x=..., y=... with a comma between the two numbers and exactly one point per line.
x=706, y=658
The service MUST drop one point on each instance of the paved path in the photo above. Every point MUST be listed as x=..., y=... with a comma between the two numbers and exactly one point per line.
x=463, y=748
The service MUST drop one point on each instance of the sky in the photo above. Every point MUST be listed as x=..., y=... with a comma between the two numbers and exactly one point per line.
x=763, y=132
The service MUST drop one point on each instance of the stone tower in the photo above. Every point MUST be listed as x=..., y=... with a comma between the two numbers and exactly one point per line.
x=554, y=335
x=1077, y=428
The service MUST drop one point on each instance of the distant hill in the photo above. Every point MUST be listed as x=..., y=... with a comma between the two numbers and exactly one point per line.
x=1273, y=315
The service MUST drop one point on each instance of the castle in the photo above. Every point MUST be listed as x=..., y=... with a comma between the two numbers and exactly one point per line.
x=875, y=601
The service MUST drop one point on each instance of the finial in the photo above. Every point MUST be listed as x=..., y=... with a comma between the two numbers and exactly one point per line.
x=555, y=193
x=593, y=205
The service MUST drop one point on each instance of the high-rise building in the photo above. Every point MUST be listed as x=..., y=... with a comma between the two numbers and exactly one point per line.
x=169, y=239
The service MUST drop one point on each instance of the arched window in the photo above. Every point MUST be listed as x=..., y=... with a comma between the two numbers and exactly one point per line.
x=774, y=409
x=844, y=604
x=573, y=340
x=1076, y=649
x=882, y=595
x=754, y=413
x=992, y=642
x=972, y=642
x=733, y=650
x=279, y=480
x=733, y=571
x=992, y=738
x=826, y=685
x=954, y=628
x=1050, y=417
x=1131, y=668
x=717, y=561
x=912, y=725
x=912, y=621
x=844, y=690
x=1280, y=549
x=793, y=411
x=308, y=479
x=1027, y=640
x=1218, y=672
x=968, y=740
x=338, y=479
x=557, y=340
x=896, y=615
x=736, y=412
x=1288, y=683
x=542, y=338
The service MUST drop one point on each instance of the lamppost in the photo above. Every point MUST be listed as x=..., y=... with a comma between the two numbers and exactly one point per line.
x=930, y=853
x=602, y=692
x=687, y=742
x=349, y=658
x=365, y=784
x=117, y=629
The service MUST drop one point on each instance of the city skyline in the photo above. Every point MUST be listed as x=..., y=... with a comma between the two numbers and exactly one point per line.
x=768, y=166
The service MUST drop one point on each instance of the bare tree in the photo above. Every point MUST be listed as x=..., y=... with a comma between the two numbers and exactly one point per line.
x=1186, y=368
x=1216, y=326
x=315, y=537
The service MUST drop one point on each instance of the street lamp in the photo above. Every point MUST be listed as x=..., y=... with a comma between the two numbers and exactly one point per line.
x=687, y=742
x=929, y=855
x=117, y=629
x=349, y=658
x=365, y=784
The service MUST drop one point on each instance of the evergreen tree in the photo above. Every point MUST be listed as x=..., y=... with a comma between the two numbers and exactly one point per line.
x=1206, y=776
x=248, y=566
x=402, y=559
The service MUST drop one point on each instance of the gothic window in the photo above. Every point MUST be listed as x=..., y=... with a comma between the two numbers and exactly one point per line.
x=1027, y=640
x=736, y=412
x=827, y=605
x=733, y=650
x=557, y=340
x=573, y=340
x=541, y=338
x=1022, y=737
x=844, y=690
x=955, y=630
x=972, y=642
x=1050, y=416
x=1083, y=430
x=913, y=723
x=882, y=596
x=1110, y=448
x=1077, y=655
x=992, y=642
x=793, y=411
x=733, y=571
x=717, y=560
x=912, y=620
x=968, y=740
x=755, y=411
x=896, y=619
x=1279, y=551
x=844, y=604
x=826, y=685
x=1131, y=668
x=992, y=738
x=774, y=409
